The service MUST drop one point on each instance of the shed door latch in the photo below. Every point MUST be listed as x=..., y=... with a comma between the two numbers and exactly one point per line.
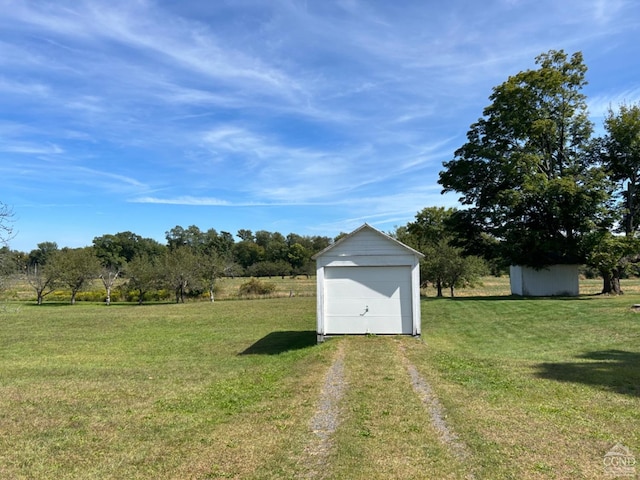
x=366, y=309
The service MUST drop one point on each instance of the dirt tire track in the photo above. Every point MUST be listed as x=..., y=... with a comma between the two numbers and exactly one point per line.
x=436, y=411
x=327, y=417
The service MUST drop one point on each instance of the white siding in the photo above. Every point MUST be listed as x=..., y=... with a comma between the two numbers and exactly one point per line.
x=368, y=300
x=556, y=280
x=368, y=283
x=366, y=243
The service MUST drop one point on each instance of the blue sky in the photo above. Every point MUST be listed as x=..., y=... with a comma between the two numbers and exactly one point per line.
x=283, y=115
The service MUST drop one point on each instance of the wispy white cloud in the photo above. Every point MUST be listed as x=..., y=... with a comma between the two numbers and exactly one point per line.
x=87, y=174
x=23, y=88
x=343, y=106
x=184, y=200
x=28, y=148
x=600, y=105
x=145, y=29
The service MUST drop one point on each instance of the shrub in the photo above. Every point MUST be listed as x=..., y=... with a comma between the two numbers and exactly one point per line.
x=257, y=287
x=92, y=296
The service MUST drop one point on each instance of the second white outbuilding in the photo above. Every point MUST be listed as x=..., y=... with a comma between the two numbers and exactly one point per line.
x=368, y=283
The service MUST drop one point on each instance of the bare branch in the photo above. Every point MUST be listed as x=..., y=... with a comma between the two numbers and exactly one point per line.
x=6, y=220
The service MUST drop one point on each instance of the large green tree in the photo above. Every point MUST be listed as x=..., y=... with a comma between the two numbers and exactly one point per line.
x=619, y=150
x=524, y=174
x=621, y=155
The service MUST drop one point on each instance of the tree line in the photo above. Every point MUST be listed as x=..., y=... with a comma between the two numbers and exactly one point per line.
x=188, y=264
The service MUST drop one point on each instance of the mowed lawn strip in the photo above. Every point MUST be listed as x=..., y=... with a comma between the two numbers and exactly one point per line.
x=537, y=388
x=386, y=432
x=158, y=391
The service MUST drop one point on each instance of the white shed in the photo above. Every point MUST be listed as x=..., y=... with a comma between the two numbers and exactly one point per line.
x=368, y=282
x=555, y=280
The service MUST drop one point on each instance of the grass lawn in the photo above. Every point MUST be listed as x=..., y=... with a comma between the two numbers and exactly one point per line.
x=532, y=388
x=538, y=388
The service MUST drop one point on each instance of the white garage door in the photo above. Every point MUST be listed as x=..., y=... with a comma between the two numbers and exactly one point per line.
x=368, y=300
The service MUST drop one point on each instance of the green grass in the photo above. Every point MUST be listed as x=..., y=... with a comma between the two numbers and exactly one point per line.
x=534, y=388
x=540, y=388
x=160, y=391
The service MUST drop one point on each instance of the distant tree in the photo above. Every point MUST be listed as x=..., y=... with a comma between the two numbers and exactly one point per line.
x=295, y=238
x=43, y=279
x=274, y=245
x=112, y=262
x=143, y=275
x=473, y=240
x=430, y=227
x=108, y=276
x=247, y=252
x=111, y=252
x=246, y=235
x=232, y=269
x=308, y=269
x=9, y=265
x=42, y=254
x=277, y=249
x=612, y=256
x=435, y=265
x=298, y=257
x=191, y=237
x=282, y=268
x=121, y=248
x=6, y=227
x=75, y=267
x=319, y=243
x=263, y=238
x=211, y=266
x=444, y=265
x=13, y=261
x=340, y=236
x=224, y=243
x=619, y=150
x=462, y=271
x=269, y=269
x=180, y=270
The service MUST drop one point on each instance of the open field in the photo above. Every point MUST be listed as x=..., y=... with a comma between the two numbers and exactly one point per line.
x=498, y=388
x=17, y=289
x=301, y=286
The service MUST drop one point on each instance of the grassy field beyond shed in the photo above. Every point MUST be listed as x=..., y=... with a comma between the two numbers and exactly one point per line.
x=527, y=389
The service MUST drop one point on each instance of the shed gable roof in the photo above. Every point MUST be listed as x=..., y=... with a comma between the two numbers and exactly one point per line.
x=364, y=230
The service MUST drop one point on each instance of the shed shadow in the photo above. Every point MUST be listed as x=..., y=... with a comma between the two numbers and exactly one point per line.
x=279, y=342
x=615, y=370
